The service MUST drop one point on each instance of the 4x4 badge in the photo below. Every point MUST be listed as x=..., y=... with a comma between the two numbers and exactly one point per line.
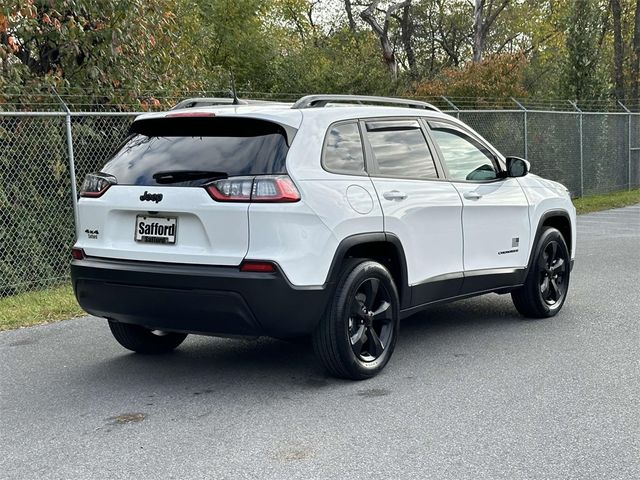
x=151, y=197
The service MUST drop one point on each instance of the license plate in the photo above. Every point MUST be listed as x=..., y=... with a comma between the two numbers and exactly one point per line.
x=156, y=229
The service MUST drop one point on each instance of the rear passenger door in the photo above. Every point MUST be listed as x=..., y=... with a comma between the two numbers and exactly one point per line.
x=495, y=216
x=421, y=209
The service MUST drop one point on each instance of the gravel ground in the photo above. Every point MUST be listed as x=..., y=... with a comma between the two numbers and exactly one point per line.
x=473, y=391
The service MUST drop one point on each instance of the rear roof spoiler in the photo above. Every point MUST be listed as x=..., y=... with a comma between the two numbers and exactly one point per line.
x=164, y=125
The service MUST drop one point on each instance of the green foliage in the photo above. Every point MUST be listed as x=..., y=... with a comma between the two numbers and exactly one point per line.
x=100, y=47
x=140, y=53
x=340, y=63
x=237, y=41
x=585, y=77
x=35, y=208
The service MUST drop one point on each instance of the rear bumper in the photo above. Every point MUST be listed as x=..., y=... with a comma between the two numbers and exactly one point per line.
x=196, y=299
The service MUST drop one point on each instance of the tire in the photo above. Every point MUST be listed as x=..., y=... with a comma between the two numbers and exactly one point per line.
x=545, y=289
x=357, y=334
x=143, y=340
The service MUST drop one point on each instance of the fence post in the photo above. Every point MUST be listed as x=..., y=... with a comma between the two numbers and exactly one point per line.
x=452, y=105
x=629, y=135
x=72, y=166
x=526, y=128
x=575, y=105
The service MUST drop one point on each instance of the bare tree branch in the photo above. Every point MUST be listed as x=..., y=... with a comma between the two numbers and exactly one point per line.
x=382, y=31
x=485, y=13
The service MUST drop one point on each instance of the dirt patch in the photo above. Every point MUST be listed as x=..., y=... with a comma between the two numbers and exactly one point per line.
x=127, y=418
x=374, y=392
x=293, y=454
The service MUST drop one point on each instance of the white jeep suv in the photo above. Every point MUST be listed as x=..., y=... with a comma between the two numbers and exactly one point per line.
x=335, y=217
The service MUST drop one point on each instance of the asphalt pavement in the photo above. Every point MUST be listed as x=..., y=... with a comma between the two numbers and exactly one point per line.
x=473, y=391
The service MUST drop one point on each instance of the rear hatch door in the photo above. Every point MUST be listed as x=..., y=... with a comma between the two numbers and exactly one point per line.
x=158, y=209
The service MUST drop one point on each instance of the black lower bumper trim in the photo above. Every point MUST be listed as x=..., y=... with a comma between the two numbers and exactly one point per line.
x=201, y=299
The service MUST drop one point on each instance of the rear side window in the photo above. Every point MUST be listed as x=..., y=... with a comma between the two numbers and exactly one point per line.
x=400, y=149
x=231, y=146
x=343, y=150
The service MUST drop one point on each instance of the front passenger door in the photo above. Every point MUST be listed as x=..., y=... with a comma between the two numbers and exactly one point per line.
x=495, y=216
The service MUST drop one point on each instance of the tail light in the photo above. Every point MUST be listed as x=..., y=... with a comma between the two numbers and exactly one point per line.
x=95, y=184
x=235, y=189
x=266, y=188
x=77, y=253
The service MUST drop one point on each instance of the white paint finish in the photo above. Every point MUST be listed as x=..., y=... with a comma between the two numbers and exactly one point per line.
x=208, y=232
x=294, y=237
x=303, y=237
x=544, y=195
x=494, y=214
x=359, y=199
x=427, y=222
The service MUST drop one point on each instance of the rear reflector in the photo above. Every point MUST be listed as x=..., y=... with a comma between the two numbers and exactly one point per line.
x=77, y=253
x=257, y=266
x=263, y=188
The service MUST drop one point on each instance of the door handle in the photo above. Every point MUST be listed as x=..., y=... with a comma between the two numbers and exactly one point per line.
x=394, y=195
x=472, y=195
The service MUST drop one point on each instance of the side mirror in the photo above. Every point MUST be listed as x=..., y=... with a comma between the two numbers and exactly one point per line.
x=517, y=167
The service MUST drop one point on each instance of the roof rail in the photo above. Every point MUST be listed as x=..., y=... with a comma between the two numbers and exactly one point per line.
x=206, y=102
x=219, y=101
x=313, y=101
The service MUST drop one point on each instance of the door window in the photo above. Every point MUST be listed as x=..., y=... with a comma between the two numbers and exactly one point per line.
x=400, y=149
x=343, y=150
x=466, y=159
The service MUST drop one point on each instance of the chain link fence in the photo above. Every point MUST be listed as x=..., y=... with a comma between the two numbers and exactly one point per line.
x=589, y=152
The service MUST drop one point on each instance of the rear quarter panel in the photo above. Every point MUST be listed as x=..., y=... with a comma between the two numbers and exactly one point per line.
x=303, y=237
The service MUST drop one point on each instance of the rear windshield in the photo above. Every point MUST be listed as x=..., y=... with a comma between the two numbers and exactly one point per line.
x=231, y=146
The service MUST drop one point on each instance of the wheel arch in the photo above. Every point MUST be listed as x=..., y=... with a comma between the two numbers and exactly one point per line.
x=558, y=219
x=383, y=248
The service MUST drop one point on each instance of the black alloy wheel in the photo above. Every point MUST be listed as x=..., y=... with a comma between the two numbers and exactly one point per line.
x=370, y=320
x=357, y=334
x=547, y=284
x=552, y=268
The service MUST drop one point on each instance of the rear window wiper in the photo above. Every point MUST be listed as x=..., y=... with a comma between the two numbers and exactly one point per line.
x=176, y=176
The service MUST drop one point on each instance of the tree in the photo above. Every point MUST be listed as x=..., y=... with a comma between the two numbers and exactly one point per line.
x=349, y=10
x=618, y=57
x=485, y=13
x=442, y=29
x=99, y=48
x=584, y=78
x=497, y=76
x=635, y=62
x=382, y=32
x=238, y=38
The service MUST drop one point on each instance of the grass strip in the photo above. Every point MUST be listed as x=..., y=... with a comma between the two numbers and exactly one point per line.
x=42, y=306
x=595, y=203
